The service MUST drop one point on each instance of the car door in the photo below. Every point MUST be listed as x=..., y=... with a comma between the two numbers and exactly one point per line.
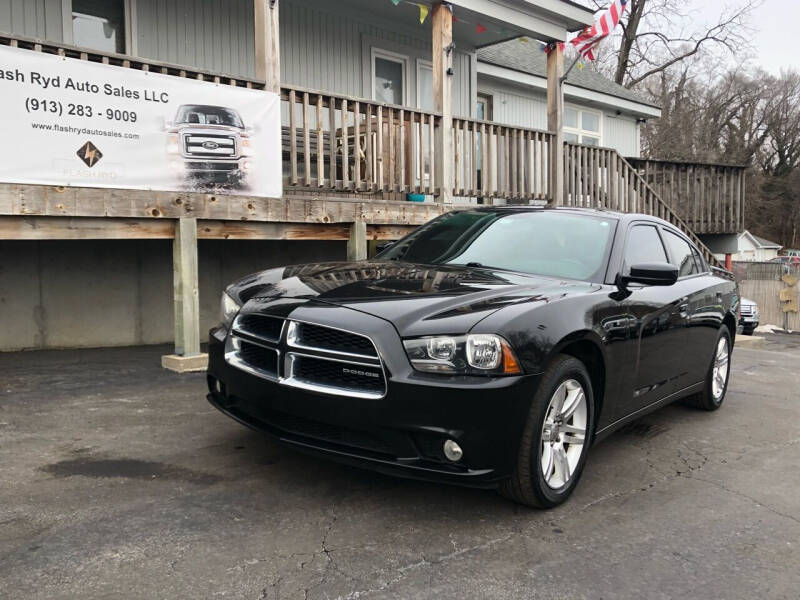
x=701, y=306
x=657, y=330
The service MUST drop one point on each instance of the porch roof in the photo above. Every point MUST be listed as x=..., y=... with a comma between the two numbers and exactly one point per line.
x=499, y=20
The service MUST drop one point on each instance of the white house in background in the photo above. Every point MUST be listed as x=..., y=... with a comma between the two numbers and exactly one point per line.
x=512, y=89
x=749, y=248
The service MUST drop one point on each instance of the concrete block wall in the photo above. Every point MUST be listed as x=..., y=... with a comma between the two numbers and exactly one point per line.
x=95, y=293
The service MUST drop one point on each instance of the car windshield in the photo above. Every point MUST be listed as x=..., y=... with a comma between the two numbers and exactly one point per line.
x=552, y=243
x=209, y=115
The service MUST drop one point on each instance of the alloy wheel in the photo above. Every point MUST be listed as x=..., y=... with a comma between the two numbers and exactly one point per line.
x=563, y=434
x=720, y=371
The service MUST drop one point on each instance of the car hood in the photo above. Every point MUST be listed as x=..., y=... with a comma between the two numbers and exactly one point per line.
x=416, y=299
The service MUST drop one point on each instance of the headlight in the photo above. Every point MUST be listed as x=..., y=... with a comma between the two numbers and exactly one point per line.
x=473, y=354
x=173, y=143
x=228, y=308
x=246, y=146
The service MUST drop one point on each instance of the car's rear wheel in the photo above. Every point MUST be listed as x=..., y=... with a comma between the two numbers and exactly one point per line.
x=556, y=437
x=719, y=372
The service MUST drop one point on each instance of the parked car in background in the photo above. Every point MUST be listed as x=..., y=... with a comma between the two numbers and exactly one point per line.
x=490, y=347
x=786, y=260
x=749, y=316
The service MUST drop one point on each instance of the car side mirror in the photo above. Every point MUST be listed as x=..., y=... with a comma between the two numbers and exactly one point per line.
x=651, y=274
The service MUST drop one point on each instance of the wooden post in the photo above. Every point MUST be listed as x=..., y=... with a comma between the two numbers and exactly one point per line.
x=185, y=278
x=187, y=355
x=357, y=244
x=555, y=122
x=267, y=44
x=443, y=99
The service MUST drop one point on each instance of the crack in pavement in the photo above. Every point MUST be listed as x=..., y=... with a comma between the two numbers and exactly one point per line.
x=425, y=562
x=744, y=496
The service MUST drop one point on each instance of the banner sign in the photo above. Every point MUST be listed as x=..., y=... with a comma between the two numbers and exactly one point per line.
x=72, y=122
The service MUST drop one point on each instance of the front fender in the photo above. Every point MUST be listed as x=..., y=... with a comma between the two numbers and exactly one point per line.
x=539, y=330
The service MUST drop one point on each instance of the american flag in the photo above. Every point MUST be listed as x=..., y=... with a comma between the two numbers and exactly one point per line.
x=604, y=24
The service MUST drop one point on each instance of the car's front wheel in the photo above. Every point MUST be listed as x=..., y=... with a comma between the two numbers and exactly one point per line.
x=556, y=437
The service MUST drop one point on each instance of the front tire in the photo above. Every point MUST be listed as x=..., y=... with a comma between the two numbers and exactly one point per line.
x=556, y=437
x=719, y=373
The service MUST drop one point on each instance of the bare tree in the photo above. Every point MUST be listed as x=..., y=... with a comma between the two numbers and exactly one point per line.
x=722, y=120
x=659, y=34
x=781, y=154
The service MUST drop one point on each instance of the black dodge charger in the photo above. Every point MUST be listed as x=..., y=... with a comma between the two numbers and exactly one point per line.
x=491, y=347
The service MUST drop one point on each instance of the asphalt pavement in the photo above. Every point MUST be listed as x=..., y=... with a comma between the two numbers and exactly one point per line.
x=118, y=480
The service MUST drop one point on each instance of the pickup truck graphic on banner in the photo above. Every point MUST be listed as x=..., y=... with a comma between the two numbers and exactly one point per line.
x=210, y=146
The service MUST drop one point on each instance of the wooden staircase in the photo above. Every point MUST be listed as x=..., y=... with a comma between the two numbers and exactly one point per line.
x=601, y=178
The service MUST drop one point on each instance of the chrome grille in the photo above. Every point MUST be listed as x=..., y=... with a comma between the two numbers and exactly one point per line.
x=746, y=310
x=306, y=355
x=259, y=326
x=209, y=145
x=307, y=335
x=263, y=359
x=335, y=376
x=256, y=359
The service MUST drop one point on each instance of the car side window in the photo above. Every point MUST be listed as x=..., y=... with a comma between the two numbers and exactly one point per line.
x=681, y=253
x=644, y=246
x=701, y=264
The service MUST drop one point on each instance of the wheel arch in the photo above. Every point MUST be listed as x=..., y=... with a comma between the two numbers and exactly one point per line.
x=730, y=322
x=587, y=348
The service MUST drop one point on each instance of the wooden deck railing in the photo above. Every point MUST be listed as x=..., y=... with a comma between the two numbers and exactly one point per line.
x=335, y=142
x=499, y=161
x=709, y=197
x=127, y=61
x=601, y=178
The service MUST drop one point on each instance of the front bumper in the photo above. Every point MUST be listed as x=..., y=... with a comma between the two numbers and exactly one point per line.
x=401, y=433
x=749, y=323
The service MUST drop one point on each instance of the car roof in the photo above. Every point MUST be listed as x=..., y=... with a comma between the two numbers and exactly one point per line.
x=589, y=212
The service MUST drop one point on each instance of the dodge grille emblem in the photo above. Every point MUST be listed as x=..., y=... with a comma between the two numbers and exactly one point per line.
x=347, y=371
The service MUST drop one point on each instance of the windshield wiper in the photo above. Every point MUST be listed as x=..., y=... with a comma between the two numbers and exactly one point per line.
x=473, y=264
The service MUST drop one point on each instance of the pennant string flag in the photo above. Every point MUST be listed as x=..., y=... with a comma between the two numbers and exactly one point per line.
x=423, y=13
x=604, y=24
x=547, y=48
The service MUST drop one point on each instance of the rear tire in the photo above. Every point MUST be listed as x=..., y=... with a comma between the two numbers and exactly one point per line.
x=719, y=373
x=556, y=437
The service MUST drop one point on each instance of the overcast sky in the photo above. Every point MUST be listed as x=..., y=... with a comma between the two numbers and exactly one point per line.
x=777, y=29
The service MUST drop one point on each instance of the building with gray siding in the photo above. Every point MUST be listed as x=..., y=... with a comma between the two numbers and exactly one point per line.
x=512, y=81
x=365, y=129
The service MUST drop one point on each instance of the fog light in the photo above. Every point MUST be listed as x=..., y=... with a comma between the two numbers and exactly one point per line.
x=453, y=451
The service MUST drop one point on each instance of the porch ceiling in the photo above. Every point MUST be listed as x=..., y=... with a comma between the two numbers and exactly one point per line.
x=546, y=20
